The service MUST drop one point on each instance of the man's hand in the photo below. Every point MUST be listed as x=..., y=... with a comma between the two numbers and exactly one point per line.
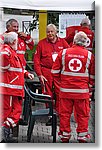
x=22, y=35
x=43, y=80
x=30, y=76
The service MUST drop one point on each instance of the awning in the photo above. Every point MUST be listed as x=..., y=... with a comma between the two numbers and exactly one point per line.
x=57, y=5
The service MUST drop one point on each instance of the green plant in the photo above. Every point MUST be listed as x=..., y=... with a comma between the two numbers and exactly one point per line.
x=29, y=54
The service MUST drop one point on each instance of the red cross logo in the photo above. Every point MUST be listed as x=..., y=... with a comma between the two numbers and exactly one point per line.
x=75, y=64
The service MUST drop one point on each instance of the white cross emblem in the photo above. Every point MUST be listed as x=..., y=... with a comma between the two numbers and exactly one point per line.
x=75, y=64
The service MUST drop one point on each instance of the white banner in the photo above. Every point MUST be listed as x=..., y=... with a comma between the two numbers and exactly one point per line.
x=61, y=5
x=66, y=20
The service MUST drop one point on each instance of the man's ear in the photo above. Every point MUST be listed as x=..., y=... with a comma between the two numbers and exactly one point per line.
x=89, y=26
x=14, y=42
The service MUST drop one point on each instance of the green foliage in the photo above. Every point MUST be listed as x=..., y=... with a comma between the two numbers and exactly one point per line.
x=53, y=18
x=34, y=23
x=29, y=54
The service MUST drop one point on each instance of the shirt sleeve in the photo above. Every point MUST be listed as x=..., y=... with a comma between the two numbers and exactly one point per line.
x=4, y=60
x=29, y=42
x=65, y=44
x=92, y=74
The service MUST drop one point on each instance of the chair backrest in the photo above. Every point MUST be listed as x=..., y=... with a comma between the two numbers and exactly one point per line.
x=35, y=84
x=41, y=98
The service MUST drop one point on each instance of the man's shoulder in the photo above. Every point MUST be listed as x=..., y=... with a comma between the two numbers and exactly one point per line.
x=86, y=29
x=61, y=39
x=6, y=47
x=43, y=41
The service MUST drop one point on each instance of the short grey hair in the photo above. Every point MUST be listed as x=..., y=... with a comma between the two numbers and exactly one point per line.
x=10, y=37
x=53, y=26
x=81, y=38
x=9, y=22
x=85, y=21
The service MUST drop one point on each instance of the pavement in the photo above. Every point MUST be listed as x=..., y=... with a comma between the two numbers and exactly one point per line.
x=42, y=133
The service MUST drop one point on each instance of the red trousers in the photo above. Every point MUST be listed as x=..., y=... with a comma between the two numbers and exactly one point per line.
x=82, y=111
x=11, y=110
x=56, y=91
x=47, y=89
x=51, y=85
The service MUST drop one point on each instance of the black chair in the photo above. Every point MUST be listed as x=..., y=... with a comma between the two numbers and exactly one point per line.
x=34, y=114
x=27, y=104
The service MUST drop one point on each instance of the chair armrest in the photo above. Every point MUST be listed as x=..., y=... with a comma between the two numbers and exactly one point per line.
x=40, y=95
x=41, y=100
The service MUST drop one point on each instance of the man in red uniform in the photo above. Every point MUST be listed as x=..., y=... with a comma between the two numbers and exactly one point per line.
x=46, y=53
x=85, y=27
x=11, y=84
x=24, y=41
x=70, y=32
x=75, y=69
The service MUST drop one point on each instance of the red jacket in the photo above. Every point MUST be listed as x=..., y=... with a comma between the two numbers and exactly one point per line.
x=71, y=31
x=75, y=69
x=44, y=52
x=23, y=45
x=11, y=72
